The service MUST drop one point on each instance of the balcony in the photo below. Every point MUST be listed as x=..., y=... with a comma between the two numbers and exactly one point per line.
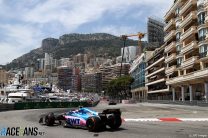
x=155, y=82
x=169, y=24
x=200, y=2
x=197, y=75
x=189, y=47
x=189, y=63
x=169, y=35
x=206, y=19
x=155, y=72
x=155, y=63
x=201, y=5
x=170, y=70
x=202, y=26
x=187, y=5
x=189, y=32
x=170, y=58
x=188, y=19
x=171, y=12
x=158, y=91
x=206, y=3
x=170, y=47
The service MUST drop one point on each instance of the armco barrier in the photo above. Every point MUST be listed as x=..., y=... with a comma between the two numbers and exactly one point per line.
x=40, y=105
x=6, y=107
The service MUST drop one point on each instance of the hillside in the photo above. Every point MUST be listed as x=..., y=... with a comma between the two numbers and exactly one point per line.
x=101, y=44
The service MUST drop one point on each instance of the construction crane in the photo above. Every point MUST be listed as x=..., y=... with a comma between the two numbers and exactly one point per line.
x=140, y=37
x=124, y=37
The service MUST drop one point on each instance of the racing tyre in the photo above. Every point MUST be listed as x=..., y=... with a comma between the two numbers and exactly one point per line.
x=114, y=121
x=94, y=123
x=50, y=119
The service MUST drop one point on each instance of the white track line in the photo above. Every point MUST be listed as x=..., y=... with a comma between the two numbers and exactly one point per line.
x=141, y=120
x=165, y=119
x=194, y=119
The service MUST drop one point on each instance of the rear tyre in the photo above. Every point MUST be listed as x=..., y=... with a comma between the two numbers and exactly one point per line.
x=94, y=123
x=50, y=119
x=114, y=121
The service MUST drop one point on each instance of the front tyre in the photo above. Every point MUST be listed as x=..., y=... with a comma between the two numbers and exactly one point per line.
x=114, y=121
x=94, y=123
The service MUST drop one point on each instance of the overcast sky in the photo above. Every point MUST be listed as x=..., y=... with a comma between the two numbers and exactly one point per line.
x=24, y=23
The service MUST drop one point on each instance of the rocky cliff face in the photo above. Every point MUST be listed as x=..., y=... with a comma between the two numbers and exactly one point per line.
x=49, y=44
x=67, y=45
x=72, y=38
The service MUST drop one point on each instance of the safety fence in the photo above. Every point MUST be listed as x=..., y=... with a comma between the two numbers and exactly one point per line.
x=6, y=107
x=42, y=105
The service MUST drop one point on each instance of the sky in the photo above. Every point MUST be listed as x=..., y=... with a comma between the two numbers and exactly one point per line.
x=24, y=23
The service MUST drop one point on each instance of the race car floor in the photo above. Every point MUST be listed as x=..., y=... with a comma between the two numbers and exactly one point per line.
x=141, y=120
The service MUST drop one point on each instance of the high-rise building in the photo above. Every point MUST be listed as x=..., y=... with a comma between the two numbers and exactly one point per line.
x=65, y=78
x=91, y=82
x=66, y=62
x=110, y=72
x=76, y=80
x=29, y=72
x=137, y=71
x=155, y=31
x=130, y=53
x=79, y=58
x=187, y=50
x=155, y=76
x=40, y=64
x=48, y=63
x=3, y=77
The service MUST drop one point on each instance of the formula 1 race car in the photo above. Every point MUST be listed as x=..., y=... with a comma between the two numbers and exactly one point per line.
x=85, y=118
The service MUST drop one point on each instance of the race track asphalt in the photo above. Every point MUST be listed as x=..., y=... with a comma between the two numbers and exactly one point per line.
x=29, y=118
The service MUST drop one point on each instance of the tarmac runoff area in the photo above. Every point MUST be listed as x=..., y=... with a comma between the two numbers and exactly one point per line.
x=143, y=120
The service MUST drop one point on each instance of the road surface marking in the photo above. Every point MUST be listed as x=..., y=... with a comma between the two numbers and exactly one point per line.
x=164, y=119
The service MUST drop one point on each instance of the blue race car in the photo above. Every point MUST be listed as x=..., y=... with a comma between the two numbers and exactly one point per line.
x=85, y=118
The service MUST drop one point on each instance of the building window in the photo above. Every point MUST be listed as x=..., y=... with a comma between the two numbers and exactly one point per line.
x=178, y=49
x=203, y=51
x=201, y=18
x=202, y=34
x=178, y=36
x=177, y=11
x=178, y=24
x=179, y=61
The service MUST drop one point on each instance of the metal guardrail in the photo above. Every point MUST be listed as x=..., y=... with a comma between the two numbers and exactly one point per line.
x=6, y=107
x=42, y=105
x=193, y=103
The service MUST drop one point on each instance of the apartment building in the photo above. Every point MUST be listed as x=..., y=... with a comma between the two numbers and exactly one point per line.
x=91, y=82
x=137, y=71
x=3, y=77
x=155, y=76
x=110, y=72
x=186, y=50
x=65, y=78
x=155, y=31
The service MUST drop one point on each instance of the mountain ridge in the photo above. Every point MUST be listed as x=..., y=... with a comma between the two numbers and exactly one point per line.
x=67, y=45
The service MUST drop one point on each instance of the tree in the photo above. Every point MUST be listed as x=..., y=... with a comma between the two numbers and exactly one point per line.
x=120, y=87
